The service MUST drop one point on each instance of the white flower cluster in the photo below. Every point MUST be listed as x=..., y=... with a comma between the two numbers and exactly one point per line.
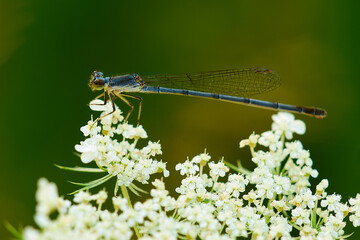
x=78, y=220
x=273, y=201
x=119, y=158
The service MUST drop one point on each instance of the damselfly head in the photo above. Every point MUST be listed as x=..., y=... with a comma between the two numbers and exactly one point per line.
x=97, y=81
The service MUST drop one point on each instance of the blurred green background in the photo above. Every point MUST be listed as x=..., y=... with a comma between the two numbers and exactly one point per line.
x=48, y=50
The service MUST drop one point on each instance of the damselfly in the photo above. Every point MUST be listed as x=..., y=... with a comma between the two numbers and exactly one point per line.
x=234, y=85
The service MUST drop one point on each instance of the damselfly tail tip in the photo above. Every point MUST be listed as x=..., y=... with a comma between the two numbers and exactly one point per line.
x=320, y=113
x=313, y=112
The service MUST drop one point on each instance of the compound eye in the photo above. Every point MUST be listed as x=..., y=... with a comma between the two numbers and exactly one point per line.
x=96, y=74
x=99, y=82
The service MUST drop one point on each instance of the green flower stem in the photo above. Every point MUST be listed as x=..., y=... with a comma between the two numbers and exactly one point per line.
x=126, y=195
x=282, y=140
x=239, y=169
x=215, y=181
x=252, y=151
x=223, y=227
x=295, y=226
x=313, y=215
x=97, y=164
x=286, y=214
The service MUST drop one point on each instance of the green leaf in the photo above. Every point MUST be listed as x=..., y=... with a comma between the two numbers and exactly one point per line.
x=92, y=184
x=77, y=154
x=239, y=169
x=138, y=189
x=15, y=232
x=346, y=236
x=134, y=191
x=233, y=167
x=78, y=184
x=116, y=189
x=81, y=169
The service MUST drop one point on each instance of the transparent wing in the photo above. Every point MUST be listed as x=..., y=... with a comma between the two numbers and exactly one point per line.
x=233, y=82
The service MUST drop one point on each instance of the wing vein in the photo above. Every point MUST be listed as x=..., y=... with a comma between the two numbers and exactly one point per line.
x=233, y=82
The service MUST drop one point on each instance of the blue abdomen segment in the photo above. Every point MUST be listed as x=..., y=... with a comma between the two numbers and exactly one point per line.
x=317, y=112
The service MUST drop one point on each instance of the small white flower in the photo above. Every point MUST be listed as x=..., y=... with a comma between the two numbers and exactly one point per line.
x=201, y=159
x=82, y=197
x=324, y=213
x=334, y=226
x=90, y=129
x=280, y=205
x=355, y=217
x=187, y=168
x=285, y=123
x=282, y=184
x=236, y=184
x=260, y=229
x=162, y=168
x=320, y=188
x=308, y=199
x=251, y=141
x=30, y=233
x=106, y=118
x=89, y=149
x=236, y=229
x=115, y=169
x=308, y=171
x=218, y=169
x=343, y=211
x=259, y=174
x=297, y=201
x=308, y=233
x=271, y=140
x=294, y=148
x=152, y=148
x=112, y=157
x=100, y=197
x=304, y=158
x=355, y=210
x=159, y=184
x=120, y=203
x=139, y=133
x=126, y=130
x=355, y=201
x=280, y=228
x=46, y=196
x=265, y=159
x=266, y=188
x=301, y=216
x=331, y=202
x=97, y=105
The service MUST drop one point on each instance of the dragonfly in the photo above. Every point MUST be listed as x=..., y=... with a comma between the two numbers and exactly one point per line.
x=232, y=85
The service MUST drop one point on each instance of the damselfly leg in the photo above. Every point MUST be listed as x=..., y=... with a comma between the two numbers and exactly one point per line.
x=140, y=104
x=122, y=96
